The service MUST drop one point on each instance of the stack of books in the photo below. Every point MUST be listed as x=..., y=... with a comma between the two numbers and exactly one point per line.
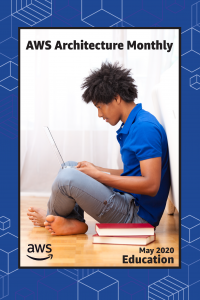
x=124, y=234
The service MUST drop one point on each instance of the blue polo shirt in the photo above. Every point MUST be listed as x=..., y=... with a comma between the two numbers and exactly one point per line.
x=143, y=137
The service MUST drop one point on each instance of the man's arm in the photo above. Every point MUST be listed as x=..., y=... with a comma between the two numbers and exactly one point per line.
x=146, y=184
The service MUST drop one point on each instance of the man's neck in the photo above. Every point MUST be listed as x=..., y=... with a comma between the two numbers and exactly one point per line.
x=126, y=111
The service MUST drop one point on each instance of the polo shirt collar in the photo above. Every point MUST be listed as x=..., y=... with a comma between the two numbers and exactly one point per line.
x=125, y=127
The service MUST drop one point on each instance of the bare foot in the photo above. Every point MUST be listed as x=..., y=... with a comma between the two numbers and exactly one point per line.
x=37, y=216
x=61, y=226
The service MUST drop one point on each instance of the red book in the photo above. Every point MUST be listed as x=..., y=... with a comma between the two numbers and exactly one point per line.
x=138, y=240
x=121, y=229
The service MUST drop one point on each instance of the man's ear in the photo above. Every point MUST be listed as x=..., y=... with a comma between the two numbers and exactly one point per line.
x=118, y=99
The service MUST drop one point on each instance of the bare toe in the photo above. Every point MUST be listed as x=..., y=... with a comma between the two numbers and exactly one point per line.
x=47, y=224
x=33, y=209
x=50, y=218
x=47, y=227
x=31, y=214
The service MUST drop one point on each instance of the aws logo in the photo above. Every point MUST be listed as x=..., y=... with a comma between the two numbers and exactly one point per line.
x=39, y=249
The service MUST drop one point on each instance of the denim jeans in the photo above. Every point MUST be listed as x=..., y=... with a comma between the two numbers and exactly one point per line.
x=74, y=192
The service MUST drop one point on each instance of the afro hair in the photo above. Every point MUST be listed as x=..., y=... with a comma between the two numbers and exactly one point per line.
x=104, y=84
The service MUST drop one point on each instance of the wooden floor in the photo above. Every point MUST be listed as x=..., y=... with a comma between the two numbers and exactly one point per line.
x=78, y=250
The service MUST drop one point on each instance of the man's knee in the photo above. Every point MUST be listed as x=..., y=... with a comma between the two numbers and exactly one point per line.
x=65, y=178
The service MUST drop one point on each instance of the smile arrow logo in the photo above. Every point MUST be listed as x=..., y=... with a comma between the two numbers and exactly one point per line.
x=49, y=256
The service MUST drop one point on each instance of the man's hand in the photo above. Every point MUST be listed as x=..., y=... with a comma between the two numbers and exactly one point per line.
x=88, y=169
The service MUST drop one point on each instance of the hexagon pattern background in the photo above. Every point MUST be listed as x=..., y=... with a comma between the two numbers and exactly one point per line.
x=113, y=284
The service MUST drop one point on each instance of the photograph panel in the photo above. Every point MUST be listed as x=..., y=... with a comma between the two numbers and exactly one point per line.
x=99, y=147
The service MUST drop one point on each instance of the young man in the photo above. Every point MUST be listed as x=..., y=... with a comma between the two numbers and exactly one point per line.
x=135, y=194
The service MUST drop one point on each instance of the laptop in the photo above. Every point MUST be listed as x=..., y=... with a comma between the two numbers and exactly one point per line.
x=57, y=152
x=54, y=146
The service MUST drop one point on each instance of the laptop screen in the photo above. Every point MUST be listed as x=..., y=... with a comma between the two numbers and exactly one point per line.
x=53, y=144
